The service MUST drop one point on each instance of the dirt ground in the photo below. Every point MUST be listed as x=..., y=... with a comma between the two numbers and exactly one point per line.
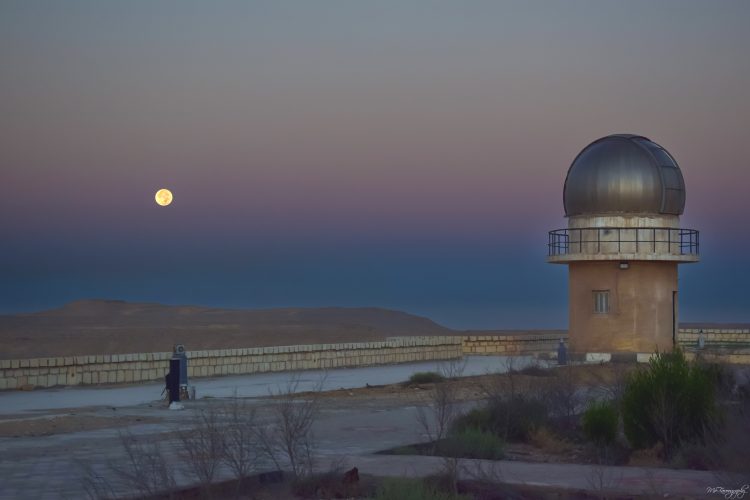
x=48, y=425
x=468, y=389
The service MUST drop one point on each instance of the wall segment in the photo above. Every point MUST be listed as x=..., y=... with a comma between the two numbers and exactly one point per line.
x=727, y=345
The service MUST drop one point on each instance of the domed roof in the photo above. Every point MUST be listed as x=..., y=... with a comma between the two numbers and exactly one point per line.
x=624, y=173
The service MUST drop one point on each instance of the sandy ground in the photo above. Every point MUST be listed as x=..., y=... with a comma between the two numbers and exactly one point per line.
x=473, y=388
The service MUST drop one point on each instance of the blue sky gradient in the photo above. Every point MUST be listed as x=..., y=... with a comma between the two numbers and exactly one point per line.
x=399, y=154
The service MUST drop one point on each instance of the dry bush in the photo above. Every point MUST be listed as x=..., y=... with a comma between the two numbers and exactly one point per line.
x=453, y=369
x=289, y=439
x=202, y=446
x=527, y=382
x=436, y=419
x=734, y=450
x=548, y=441
x=611, y=383
x=728, y=448
x=602, y=480
x=144, y=469
x=516, y=403
x=563, y=395
x=488, y=481
x=96, y=486
x=240, y=447
x=443, y=406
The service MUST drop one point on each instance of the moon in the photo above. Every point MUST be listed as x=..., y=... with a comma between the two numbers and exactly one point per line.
x=163, y=197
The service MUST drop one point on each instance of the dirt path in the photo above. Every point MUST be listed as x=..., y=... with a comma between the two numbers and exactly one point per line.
x=384, y=396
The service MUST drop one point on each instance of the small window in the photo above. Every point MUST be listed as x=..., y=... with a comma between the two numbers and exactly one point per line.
x=601, y=301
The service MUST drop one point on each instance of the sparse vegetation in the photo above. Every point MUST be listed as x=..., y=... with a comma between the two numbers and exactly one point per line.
x=471, y=443
x=548, y=441
x=599, y=423
x=534, y=370
x=413, y=489
x=145, y=469
x=425, y=378
x=288, y=440
x=202, y=447
x=241, y=450
x=512, y=419
x=563, y=397
x=671, y=401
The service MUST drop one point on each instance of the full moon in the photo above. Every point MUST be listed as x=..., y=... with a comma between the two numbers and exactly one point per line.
x=163, y=197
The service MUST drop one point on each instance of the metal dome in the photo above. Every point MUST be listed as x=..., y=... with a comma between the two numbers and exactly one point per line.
x=624, y=173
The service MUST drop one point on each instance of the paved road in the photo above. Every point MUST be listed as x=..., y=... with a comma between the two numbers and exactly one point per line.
x=257, y=385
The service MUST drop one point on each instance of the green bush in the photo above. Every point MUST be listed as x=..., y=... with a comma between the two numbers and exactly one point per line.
x=426, y=378
x=412, y=489
x=472, y=443
x=512, y=419
x=599, y=423
x=670, y=401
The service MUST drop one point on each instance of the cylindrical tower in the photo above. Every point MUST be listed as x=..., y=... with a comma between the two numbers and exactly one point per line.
x=623, y=198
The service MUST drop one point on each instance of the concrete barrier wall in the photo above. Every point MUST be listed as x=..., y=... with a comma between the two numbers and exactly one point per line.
x=714, y=337
x=511, y=345
x=722, y=345
x=144, y=367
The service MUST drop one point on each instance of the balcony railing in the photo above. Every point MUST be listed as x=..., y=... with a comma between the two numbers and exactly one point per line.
x=623, y=240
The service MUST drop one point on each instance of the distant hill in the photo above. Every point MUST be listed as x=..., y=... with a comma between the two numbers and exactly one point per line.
x=113, y=326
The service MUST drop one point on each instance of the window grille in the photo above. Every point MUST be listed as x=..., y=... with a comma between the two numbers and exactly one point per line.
x=601, y=301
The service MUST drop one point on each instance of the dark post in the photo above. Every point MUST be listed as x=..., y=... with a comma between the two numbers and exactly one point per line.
x=179, y=354
x=173, y=380
x=562, y=353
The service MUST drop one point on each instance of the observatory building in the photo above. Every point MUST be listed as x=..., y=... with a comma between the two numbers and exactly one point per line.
x=623, y=198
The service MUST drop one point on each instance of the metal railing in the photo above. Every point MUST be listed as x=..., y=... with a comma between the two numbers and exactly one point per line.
x=611, y=240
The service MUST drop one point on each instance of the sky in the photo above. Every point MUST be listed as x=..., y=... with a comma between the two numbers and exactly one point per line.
x=399, y=154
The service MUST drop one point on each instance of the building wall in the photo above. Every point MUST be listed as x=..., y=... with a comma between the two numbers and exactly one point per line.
x=640, y=317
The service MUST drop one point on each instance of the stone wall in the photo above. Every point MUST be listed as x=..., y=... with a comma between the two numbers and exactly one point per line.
x=715, y=337
x=512, y=345
x=722, y=345
x=146, y=367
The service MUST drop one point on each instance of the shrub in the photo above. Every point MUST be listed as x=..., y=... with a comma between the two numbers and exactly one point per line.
x=599, y=423
x=534, y=370
x=695, y=456
x=548, y=441
x=478, y=418
x=412, y=489
x=425, y=378
x=403, y=450
x=329, y=485
x=472, y=443
x=670, y=401
x=512, y=418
